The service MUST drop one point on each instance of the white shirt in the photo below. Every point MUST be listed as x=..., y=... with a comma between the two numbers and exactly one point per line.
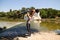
x=36, y=16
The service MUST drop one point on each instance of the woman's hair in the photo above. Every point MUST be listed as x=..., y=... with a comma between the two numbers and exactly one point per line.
x=32, y=12
x=37, y=10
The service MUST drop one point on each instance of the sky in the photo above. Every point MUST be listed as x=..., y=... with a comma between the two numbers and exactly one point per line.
x=6, y=5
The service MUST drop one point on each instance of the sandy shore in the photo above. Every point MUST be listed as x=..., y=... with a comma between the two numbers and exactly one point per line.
x=41, y=36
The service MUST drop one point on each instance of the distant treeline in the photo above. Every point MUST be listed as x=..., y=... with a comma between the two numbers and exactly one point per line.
x=44, y=13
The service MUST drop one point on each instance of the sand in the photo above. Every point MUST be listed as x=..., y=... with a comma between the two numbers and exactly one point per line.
x=41, y=36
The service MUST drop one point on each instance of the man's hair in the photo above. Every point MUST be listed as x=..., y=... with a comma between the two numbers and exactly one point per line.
x=37, y=10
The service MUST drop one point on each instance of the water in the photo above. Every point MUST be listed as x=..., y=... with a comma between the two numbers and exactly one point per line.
x=8, y=24
x=52, y=25
x=43, y=25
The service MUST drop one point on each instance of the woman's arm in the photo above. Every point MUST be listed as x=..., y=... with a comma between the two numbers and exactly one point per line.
x=28, y=15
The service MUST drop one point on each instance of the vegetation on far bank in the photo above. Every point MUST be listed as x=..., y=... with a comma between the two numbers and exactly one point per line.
x=18, y=15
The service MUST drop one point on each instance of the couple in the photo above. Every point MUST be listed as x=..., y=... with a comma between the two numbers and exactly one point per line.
x=32, y=16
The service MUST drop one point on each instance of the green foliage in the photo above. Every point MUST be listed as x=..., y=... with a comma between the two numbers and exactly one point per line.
x=44, y=12
x=2, y=14
x=49, y=13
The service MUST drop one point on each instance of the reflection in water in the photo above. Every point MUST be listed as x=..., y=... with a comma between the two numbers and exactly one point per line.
x=43, y=25
x=51, y=25
x=8, y=24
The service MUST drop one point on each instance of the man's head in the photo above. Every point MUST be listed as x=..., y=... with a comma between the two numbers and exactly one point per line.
x=37, y=10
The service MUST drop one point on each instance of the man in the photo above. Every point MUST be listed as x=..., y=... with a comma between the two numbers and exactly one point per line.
x=37, y=19
x=38, y=15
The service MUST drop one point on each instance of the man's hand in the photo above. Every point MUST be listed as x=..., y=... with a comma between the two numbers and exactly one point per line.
x=38, y=20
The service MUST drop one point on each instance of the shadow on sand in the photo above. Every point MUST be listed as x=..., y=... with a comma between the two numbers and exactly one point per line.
x=17, y=30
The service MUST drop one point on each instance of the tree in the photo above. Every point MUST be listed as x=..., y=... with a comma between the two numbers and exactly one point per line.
x=58, y=13
x=23, y=9
x=43, y=13
x=32, y=7
x=10, y=10
x=2, y=14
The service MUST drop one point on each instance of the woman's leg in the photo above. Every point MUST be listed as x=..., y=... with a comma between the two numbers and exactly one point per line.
x=28, y=28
